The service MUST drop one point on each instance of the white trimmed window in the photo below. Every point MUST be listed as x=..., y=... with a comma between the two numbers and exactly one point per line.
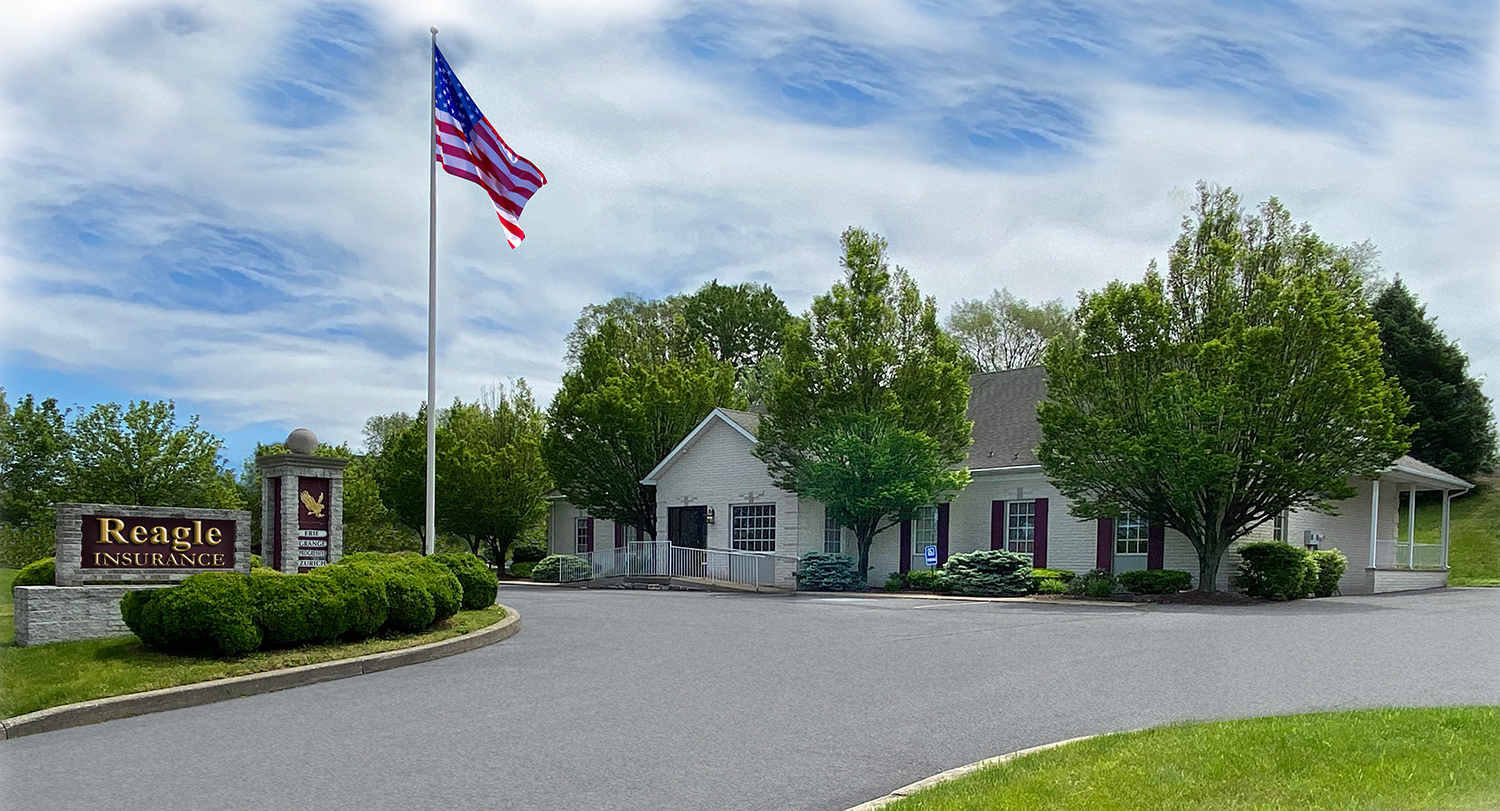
x=1020, y=527
x=923, y=529
x=752, y=527
x=833, y=536
x=1132, y=534
x=581, y=536
x=1278, y=528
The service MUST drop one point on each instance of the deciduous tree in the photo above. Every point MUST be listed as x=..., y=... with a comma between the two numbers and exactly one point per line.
x=1244, y=383
x=140, y=455
x=1005, y=332
x=34, y=452
x=867, y=413
x=632, y=396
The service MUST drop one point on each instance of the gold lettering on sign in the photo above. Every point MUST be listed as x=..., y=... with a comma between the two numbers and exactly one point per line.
x=111, y=527
x=314, y=505
x=214, y=535
x=197, y=533
x=182, y=538
x=138, y=533
x=218, y=560
x=159, y=535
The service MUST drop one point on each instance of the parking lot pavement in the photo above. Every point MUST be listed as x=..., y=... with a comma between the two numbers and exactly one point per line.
x=635, y=699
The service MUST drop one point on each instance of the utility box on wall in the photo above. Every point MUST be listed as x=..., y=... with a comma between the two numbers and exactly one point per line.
x=302, y=506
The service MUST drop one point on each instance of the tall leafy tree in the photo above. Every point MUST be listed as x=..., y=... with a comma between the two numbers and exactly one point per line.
x=1453, y=422
x=140, y=455
x=634, y=393
x=741, y=324
x=490, y=476
x=1244, y=383
x=1006, y=332
x=401, y=473
x=867, y=413
x=34, y=452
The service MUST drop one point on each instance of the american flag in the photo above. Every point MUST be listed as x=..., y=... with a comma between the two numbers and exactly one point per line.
x=468, y=146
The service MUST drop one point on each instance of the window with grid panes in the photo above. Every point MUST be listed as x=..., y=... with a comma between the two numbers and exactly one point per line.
x=1278, y=528
x=752, y=528
x=581, y=535
x=1131, y=534
x=1020, y=527
x=833, y=536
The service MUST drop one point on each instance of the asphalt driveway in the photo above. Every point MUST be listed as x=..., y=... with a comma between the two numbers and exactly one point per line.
x=671, y=700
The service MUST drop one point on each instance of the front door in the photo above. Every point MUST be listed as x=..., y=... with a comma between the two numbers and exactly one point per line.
x=688, y=526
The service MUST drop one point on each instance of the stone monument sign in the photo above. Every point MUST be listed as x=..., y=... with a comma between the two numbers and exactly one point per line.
x=302, y=506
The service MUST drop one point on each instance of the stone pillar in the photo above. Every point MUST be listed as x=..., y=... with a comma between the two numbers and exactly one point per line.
x=302, y=506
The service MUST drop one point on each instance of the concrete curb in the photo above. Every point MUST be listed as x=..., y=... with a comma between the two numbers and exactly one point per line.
x=872, y=595
x=208, y=692
x=954, y=774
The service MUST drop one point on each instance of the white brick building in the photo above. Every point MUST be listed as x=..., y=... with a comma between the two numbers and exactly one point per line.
x=712, y=493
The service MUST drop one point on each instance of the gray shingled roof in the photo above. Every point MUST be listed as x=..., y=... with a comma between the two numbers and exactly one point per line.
x=1003, y=410
x=1415, y=464
x=745, y=419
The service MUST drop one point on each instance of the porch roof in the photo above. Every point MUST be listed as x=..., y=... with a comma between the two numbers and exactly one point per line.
x=1413, y=471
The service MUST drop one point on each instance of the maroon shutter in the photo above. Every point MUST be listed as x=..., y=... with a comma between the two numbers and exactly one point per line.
x=619, y=535
x=1104, y=548
x=904, y=563
x=942, y=534
x=1039, y=553
x=1156, y=545
x=997, y=525
x=588, y=536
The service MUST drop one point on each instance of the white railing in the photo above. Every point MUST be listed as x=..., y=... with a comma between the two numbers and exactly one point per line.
x=1401, y=554
x=662, y=559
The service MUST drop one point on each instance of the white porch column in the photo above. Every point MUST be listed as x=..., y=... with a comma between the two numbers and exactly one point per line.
x=1374, y=517
x=1411, y=527
x=1447, y=499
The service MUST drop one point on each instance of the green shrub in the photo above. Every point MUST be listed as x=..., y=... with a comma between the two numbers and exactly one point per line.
x=363, y=586
x=447, y=592
x=1093, y=583
x=826, y=571
x=1051, y=585
x=21, y=546
x=522, y=570
x=474, y=576
x=255, y=562
x=38, y=573
x=295, y=609
x=209, y=613
x=1276, y=570
x=926, y=580
x=132, y=605
x=895, y=581
x=411, y=604
x=529, y=551
x=1331, y=566
x=988, y=573
x=561, y=569
x=1156, y=581
x=1063, y=576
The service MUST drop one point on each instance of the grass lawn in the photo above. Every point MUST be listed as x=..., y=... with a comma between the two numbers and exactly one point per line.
x=1473, y=533
x=1368, y=760
x=64, y=672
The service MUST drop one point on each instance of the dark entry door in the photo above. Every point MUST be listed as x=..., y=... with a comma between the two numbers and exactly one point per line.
x=688, y=526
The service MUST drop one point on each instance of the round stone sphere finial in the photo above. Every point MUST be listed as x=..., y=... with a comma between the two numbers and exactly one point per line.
x=302, y=441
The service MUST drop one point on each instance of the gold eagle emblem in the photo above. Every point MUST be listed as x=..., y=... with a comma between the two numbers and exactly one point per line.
x=314, y=505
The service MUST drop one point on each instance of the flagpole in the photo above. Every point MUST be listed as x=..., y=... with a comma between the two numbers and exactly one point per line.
x=429, y=539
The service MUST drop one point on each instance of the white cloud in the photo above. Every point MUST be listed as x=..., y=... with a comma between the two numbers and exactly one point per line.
x=660, y=177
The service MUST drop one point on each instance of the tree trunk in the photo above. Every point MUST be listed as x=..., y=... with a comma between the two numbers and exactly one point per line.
x=1210, y=555
x=864, y=557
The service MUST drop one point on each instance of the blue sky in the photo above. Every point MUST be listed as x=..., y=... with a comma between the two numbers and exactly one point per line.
x=227, y=205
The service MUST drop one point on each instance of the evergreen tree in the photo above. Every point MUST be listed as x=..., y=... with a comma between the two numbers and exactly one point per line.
x=1454, y=426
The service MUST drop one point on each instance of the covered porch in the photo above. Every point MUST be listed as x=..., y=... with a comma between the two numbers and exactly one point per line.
x=1400, y=557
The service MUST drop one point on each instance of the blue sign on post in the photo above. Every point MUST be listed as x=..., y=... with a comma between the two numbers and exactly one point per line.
x=931, y=555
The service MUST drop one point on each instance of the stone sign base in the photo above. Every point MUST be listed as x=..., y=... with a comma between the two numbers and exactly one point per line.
x=65, y=613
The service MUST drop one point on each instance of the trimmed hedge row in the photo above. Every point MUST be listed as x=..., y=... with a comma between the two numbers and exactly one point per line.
x=227, y=614
x=1156, y=581
x=988, y=573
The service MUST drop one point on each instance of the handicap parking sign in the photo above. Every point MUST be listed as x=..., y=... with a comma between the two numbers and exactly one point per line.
x=931, y=555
